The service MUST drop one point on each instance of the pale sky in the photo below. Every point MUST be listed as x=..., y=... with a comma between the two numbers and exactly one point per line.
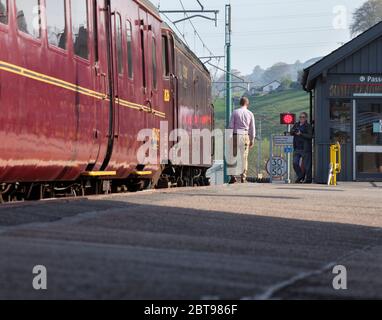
x=269, y=31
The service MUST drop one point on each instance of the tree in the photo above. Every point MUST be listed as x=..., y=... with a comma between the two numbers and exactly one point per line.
x=286, y=83
x=366, y=16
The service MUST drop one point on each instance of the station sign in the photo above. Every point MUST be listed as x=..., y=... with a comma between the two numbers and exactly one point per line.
x=370, y=79
x=281, y=141
x=288, y=118
x=288, y=149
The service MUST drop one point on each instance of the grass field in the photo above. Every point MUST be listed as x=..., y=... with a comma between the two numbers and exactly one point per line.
x=267, y=110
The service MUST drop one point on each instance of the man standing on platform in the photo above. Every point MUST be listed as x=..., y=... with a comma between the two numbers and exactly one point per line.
x=303, y=136
x=244, y=133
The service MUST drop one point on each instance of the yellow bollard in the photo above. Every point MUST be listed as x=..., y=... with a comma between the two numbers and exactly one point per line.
x=335, y=163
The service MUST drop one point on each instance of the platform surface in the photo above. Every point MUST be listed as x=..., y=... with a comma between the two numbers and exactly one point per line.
x=231, y=242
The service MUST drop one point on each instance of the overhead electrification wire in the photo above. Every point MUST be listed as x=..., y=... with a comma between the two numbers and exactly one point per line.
x=176, y=27
x=271, y=32
x=197, y=34
x=196, y=31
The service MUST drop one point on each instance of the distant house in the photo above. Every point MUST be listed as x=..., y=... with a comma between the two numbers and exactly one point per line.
x=274, y=85
x=254, y=91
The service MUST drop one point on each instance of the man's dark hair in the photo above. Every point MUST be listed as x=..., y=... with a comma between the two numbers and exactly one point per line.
x=305, y=114
x=244, y=101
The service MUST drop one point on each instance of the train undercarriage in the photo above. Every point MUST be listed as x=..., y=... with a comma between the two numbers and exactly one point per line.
x=170, y=177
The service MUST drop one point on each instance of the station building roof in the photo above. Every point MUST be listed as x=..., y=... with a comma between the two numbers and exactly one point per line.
x=312, y=73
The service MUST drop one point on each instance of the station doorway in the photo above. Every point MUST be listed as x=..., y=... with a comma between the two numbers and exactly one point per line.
x=367, y=139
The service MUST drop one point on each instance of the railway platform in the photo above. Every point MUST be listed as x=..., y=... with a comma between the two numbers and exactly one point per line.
x=247, y=241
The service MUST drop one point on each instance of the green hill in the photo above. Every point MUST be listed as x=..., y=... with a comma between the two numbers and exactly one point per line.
x=269, y=107
x=267, y=110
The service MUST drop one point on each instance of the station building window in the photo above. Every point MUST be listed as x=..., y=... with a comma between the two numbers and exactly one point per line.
x=56, y=23
x=129, y=38
x=29, y=17
x=154, y=64
x=4, y=11
x=340, y=121
x=80, y=28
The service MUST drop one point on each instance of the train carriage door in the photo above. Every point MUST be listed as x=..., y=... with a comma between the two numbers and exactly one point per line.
x=174, y=83
x=167, y=90
x=154, y=65
x=99, y=18
x=117, y=65
x=102, y=60
x=144, y=49
x=145, y=65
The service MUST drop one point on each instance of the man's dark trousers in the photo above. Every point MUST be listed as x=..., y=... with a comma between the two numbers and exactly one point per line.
x=306, y=157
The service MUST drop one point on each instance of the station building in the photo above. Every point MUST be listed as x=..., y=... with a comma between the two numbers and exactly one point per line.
x=346, y=106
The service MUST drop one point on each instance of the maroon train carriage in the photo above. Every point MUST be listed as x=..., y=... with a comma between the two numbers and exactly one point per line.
x=78, y=80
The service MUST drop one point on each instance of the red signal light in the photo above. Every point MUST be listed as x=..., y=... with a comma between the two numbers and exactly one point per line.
x=287, y=118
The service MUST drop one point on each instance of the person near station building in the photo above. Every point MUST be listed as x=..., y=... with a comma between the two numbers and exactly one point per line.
x=244, y=133
x=302, y=132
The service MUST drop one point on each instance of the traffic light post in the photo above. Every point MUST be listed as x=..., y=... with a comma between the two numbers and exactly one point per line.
x=288, y=119
x=289, y=159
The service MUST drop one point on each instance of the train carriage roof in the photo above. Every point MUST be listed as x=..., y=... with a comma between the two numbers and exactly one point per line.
x=149, y=6
x=179, y=43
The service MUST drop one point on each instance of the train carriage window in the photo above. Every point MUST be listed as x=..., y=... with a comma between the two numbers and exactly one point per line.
x=56, y=23
x=4, y=11
x=129, y=38
x=29, y=17
x=118, y=27
x=80, y=28
x=165, y=57
x=154, y=64
x=143, y=52
x=95, y=28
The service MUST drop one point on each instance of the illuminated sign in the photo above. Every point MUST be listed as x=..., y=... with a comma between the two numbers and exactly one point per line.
x=287, y=118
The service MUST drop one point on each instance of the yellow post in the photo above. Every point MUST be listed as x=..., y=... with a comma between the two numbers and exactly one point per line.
x=335, y=163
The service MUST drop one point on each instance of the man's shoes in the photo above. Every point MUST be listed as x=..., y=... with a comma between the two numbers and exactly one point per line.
x=308, y=182
x=299, y=181
x=233, y=180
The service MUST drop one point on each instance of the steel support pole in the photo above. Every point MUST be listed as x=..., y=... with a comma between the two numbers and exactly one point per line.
x=288, y=181
x=228, y=31
x=259, y=152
